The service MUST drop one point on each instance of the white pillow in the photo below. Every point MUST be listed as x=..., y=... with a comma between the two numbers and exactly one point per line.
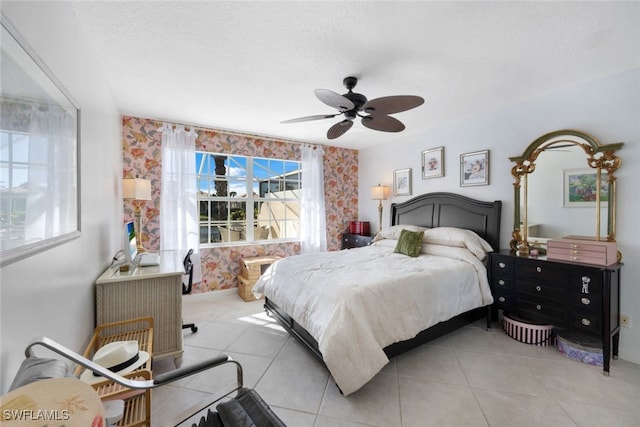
x=394, y=231
x=458, y=237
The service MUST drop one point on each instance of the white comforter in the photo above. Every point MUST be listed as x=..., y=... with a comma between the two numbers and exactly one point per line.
x=356, y=302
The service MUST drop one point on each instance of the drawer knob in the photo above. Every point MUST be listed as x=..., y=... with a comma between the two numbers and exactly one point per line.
x=538, y=288
x=502, y=299
x=539, y=307
x=539, y=269
x=501, y=282
x=585, y=284
x=586, y=322
x=586, y=301
x=502, y=265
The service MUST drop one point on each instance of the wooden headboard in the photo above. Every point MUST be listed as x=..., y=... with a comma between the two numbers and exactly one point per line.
x=451, y=210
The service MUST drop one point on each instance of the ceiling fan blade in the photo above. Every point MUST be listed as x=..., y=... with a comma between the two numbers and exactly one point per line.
x=383, y=123
x=333, y=99
x=392, y=104
x=310, y=118
x=339, y=129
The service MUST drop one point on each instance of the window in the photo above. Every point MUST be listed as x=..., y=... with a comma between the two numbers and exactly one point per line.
x=247, y=199
x=14, y=171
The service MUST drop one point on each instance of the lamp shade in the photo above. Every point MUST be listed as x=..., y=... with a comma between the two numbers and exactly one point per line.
x=377, y=192
x=136, y=189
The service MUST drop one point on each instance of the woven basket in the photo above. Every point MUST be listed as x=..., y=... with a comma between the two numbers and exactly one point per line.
x=527, y=332
x=245, y=288
x=252, y=268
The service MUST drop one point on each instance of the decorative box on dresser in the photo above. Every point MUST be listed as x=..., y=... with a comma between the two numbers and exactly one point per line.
x=565, y=294
x=350, y=241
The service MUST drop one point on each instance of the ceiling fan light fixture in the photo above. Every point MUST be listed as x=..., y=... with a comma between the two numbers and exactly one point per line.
x=350, y=115
x=358, y=99
x=351, y=104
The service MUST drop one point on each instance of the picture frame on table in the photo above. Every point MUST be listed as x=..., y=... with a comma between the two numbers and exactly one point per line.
x=402, y=182
x=433, y=163
x=474, y=168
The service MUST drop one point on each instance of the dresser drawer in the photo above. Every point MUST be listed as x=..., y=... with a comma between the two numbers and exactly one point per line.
x=538, y=310
x=586, y=301
x=501, y=283
x=575, y=256
x=501, y=264
x=355, y=241
x=585, y=281
x=542, y=289
x=503, y=301
x=586, y=321
x=550, y=271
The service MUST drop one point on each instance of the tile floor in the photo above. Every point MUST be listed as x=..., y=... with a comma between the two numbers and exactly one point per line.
x=470, y=377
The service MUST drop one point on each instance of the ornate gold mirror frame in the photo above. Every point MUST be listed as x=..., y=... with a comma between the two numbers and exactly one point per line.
x=600, y=157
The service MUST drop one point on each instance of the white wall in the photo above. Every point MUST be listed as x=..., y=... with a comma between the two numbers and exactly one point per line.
x=52, y=293
x=608, y=109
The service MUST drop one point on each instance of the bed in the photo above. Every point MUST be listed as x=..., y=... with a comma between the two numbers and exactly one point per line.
x=327, y=301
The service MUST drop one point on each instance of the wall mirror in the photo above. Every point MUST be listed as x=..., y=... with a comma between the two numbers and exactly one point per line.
x=556, y=191
x=39, y=176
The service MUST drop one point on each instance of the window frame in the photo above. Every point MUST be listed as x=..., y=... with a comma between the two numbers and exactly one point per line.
x=252, y=201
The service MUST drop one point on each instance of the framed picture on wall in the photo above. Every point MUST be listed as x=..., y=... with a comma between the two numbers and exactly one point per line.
x=433, y=163
x=402, y=182
x=579, y=188
x=474, y=168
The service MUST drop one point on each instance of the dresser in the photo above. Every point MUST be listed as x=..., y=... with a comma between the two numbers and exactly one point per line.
x=154, y=291
x=580, y=297
x=350, y=241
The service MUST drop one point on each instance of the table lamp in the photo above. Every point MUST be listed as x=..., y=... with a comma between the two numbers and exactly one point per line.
x=378, y=193
x=138, y=190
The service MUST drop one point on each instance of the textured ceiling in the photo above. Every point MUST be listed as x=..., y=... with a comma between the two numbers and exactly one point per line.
x=247, y=66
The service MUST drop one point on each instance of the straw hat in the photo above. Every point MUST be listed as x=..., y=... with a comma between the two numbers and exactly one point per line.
x=55, y=401
x=120, y=357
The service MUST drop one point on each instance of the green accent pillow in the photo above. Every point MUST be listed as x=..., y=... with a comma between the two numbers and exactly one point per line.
x=409, y=243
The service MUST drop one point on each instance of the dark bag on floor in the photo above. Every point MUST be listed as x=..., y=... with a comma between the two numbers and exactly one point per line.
x=247, y=409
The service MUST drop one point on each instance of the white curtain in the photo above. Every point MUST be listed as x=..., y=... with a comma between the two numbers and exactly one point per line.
x=178, y=204
x=313, y=229
x=51, y=204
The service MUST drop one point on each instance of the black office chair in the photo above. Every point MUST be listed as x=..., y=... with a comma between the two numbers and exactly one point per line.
x=186, y=289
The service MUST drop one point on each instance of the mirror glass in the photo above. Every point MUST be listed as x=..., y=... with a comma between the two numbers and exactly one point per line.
x=557, y=193
x=39, y=152
x=551, y=212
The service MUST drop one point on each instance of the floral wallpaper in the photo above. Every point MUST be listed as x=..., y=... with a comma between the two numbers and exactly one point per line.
x=142, y=149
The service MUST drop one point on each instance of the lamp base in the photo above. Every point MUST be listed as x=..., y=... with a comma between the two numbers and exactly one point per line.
x=137, y=213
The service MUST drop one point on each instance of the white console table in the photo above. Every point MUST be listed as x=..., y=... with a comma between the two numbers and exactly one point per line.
x=146, y=291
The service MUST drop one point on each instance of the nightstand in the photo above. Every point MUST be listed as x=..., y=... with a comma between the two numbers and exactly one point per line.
x=350, y=241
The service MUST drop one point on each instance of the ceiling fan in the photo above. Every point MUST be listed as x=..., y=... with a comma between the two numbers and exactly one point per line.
x=352, y=105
